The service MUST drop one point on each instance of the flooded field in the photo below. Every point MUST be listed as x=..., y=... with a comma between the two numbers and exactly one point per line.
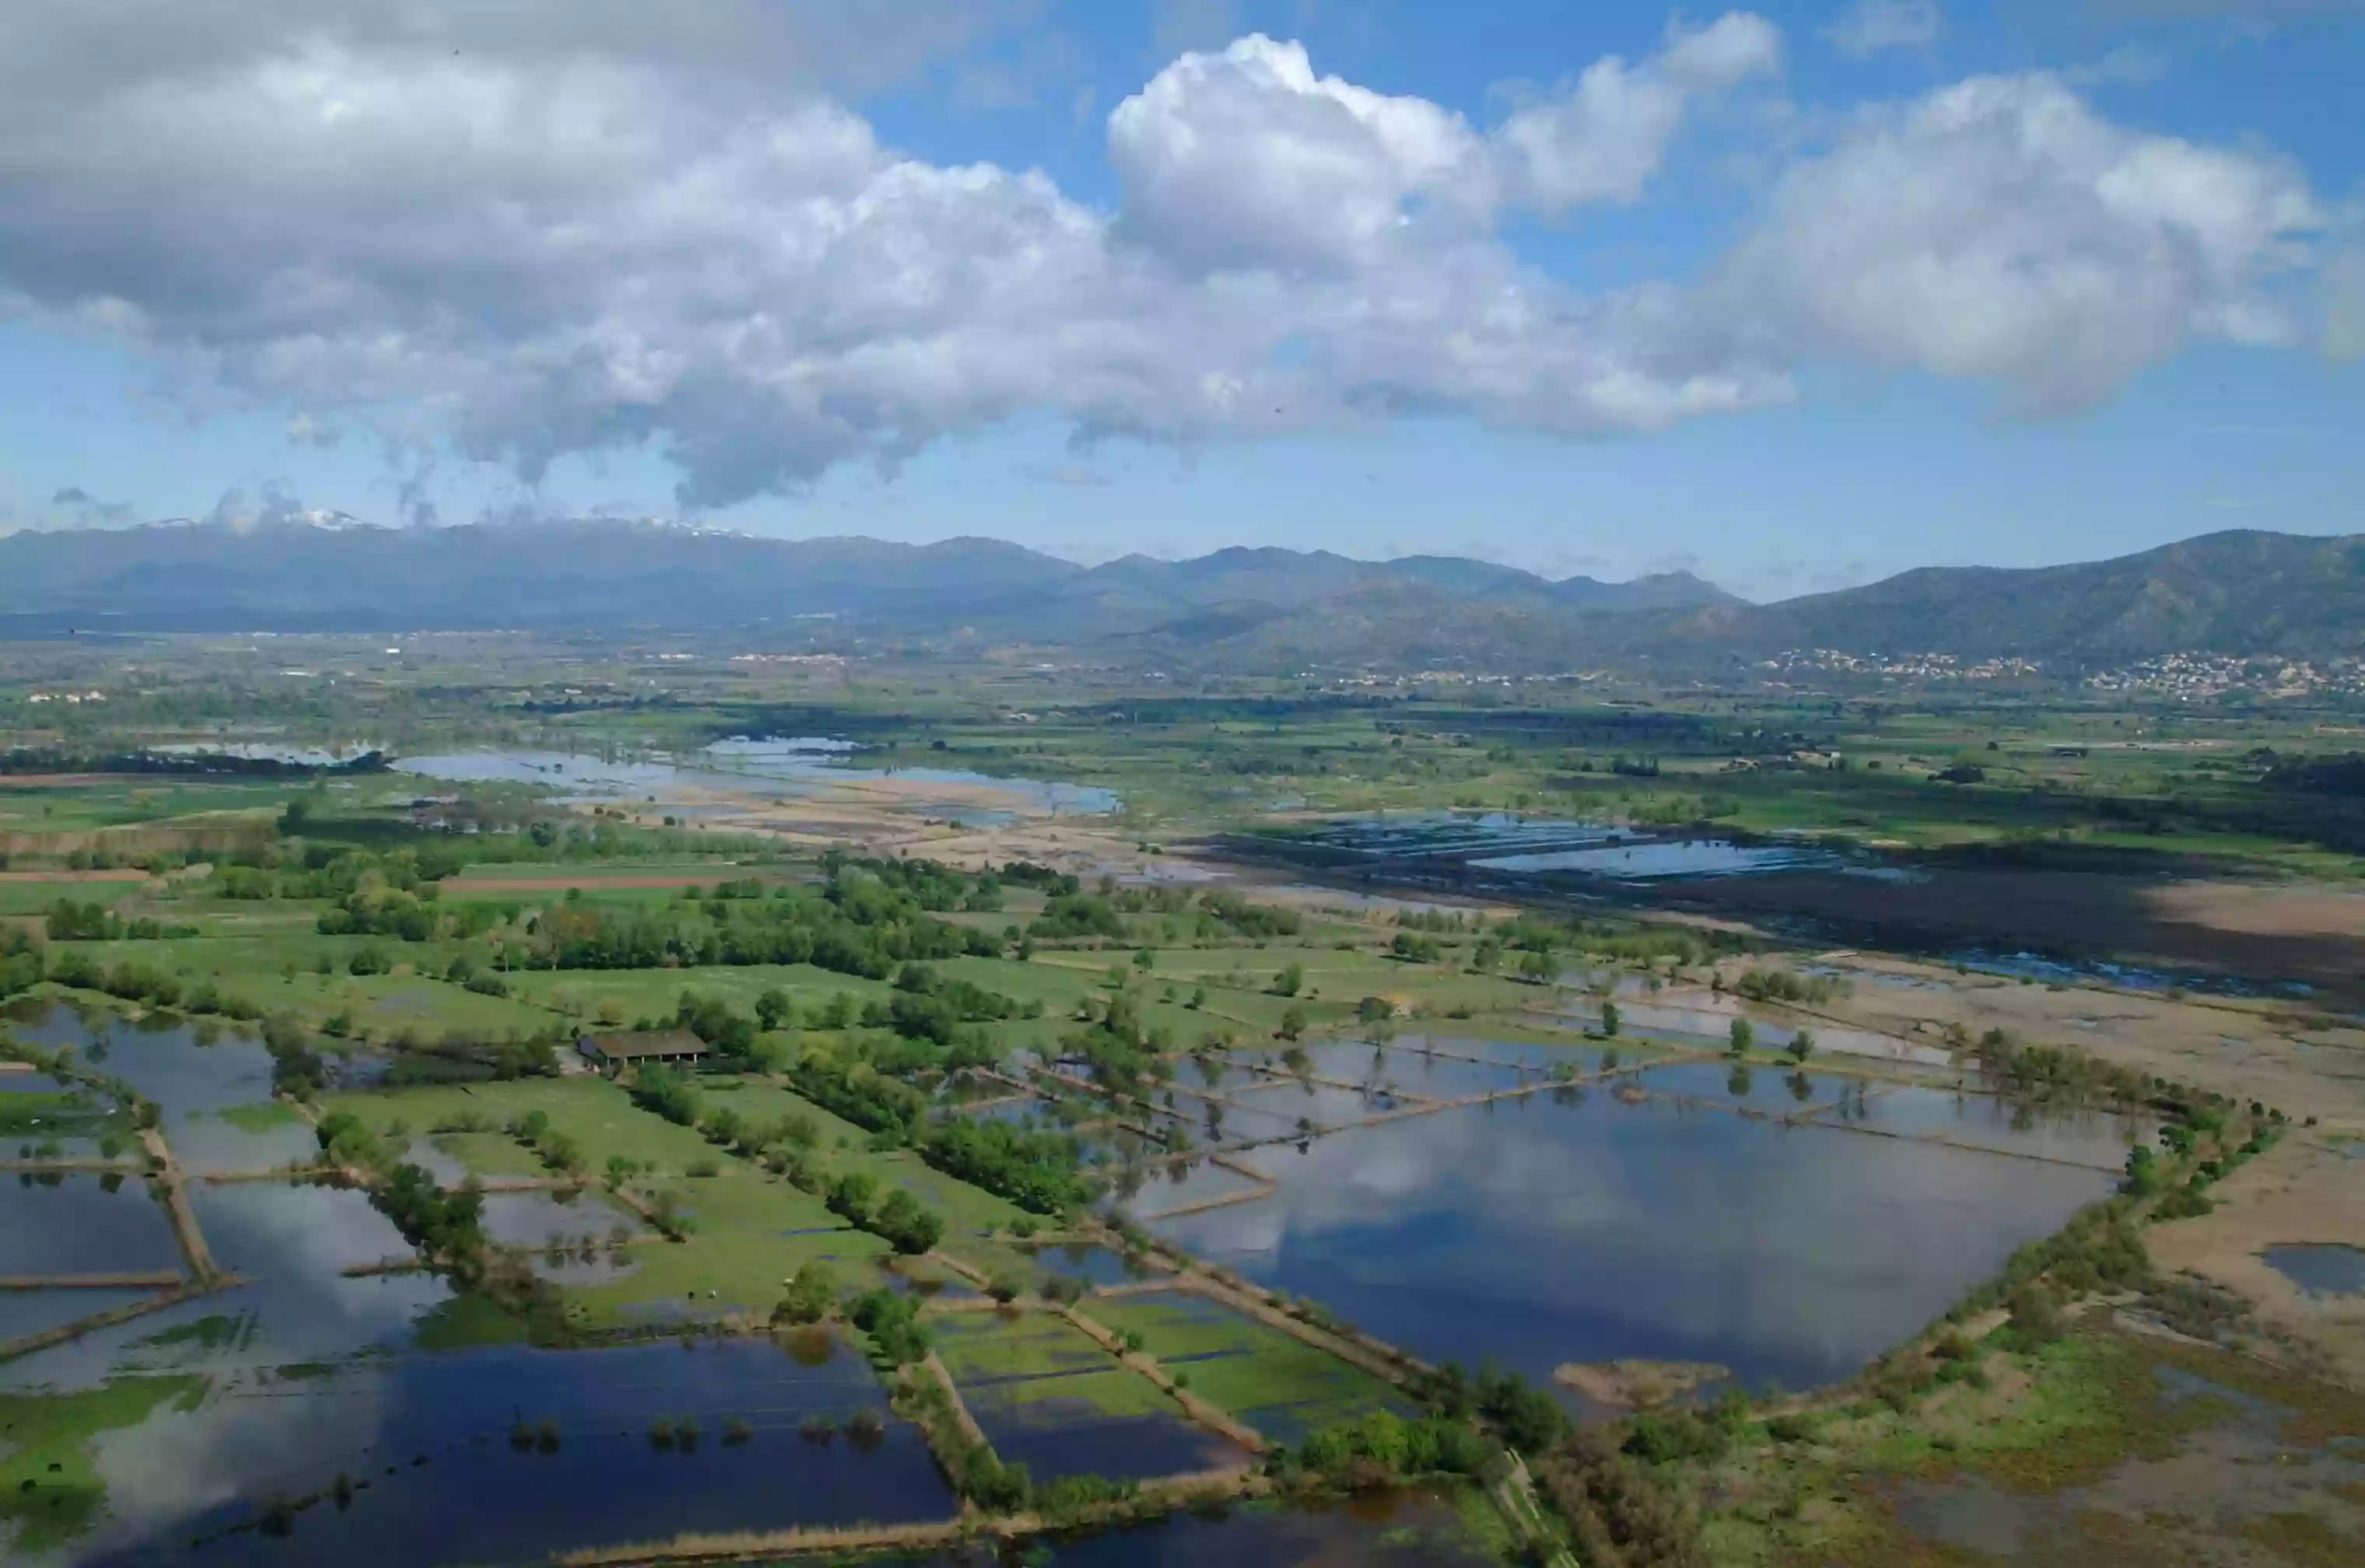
x=1568, y=1226
x=431, y=1446
x=320, y=1410
x=777, y=765
x=82, y=1223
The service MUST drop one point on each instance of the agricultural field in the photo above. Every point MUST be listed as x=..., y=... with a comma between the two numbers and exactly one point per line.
x=1353, y=1094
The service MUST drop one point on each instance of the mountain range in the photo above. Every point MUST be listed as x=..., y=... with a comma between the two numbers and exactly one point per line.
x=2238, y=592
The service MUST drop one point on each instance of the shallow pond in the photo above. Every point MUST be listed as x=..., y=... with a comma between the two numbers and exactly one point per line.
x=786, y=764
x=1321, y=1104
x=1695, y=1017
x=166, y=1059
x=1094, y=1265
x=2320, y=1269
x=1161, y=1188
x=1411, y=1070
x=1759, y=1087
x=32, y=1312
x=480, y=1497
x=2098, y=1139
x=1651, y=862
x=541, y=1219
x=1462, y=832
x=79, y=1224
x=1567, y=1227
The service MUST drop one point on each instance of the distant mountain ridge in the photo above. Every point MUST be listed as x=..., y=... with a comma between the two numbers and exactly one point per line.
x=301, y=575
x=1250, y=609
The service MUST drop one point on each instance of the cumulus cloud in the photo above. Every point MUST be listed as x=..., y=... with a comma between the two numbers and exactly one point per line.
x=1604, y=138
x=2001, y=230
x=1247, y=159
x=675, y=231
x=1871, y=27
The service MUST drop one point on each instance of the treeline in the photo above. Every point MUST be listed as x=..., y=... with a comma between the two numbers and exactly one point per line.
x=1074, y=914
x=67, y=921
x=857, y=924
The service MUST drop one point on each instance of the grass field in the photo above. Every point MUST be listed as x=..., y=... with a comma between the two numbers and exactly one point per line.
x=751, y=1230
x=49, y=1488
x=1282, y=1387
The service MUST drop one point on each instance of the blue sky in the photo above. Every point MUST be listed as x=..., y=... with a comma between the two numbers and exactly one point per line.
x=1793, y=296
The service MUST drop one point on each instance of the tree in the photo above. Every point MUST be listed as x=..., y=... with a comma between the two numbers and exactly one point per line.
x=812, y=1296
x=1144, y=960
x=1803, y=1046
x=909, y=1227
x=1743, y=1035
x=1537, y=968
x=849, y=1198
x=1610, y=1020
x=774, y=1010
x=1290, y=982
x=1293, y=1021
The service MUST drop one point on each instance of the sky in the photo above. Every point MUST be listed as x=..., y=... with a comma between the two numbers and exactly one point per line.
x=1794, y=297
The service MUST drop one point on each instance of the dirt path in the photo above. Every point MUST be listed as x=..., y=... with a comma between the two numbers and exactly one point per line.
x=971, y=1433
x=150, y=1282
x=10, y=1349
x=102, y=1167
x=863, y=1539
x=1198, y=1409
x=167, y=1177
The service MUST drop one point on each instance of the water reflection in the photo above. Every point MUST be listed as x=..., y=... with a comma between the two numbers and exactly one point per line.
x=1538, y=1232
x=82, y=1224
x=486, y=1493
x=788, y=765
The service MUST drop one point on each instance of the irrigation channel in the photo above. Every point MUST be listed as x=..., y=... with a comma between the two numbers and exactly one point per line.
x=297, y=1389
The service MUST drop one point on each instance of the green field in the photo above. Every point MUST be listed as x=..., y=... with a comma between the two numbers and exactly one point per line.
x=1282, y=1387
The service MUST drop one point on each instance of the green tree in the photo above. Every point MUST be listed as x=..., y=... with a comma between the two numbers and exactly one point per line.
x=812, y=1295
x=1803, y=1046
x=1611, y=1019
x=1743, y=1035
x=1293, y=1021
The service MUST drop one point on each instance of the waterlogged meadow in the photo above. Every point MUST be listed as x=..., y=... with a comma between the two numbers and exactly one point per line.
x=1033, y=1194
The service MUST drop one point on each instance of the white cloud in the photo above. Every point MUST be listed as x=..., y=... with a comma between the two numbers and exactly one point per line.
x=1604, y=138
x=2001, y=230
x=660, y=235
x=1870, y=26
x=1247, y=159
